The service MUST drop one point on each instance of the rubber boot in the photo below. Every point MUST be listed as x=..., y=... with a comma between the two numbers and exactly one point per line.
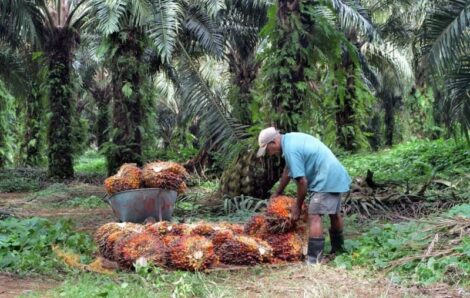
x=315, y=250
x=337, y=242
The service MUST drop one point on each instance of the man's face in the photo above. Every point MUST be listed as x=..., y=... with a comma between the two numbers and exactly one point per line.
x=273, y=148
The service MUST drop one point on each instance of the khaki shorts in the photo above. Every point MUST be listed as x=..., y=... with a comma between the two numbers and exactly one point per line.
x=324, y=203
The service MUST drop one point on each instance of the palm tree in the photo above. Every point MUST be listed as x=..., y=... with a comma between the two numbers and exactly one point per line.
x=177, y=31
x=242, y=22
x=445, y=42
x=20, y=69
x=55, y=27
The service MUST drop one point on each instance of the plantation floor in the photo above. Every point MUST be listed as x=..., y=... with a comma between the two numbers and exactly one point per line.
x=326, y=281
x=290, y=281
x=86, y=220
x=14, y=286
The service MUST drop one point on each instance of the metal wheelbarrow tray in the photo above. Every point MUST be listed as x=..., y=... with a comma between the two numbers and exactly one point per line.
x=136, y=205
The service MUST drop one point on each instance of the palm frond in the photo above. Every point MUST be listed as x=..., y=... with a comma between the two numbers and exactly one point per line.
x=109, y=14
x=140, y=11
x=213, y=6
x=443, y=39
x=218, y=126
x=204, y=30
x=457, y=102
x=351, y=19
x=21, y=19
x=12, y=69
x=164, y=26
x=388, y=58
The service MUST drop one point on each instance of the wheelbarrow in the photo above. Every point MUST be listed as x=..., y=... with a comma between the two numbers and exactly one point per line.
x=137, y=205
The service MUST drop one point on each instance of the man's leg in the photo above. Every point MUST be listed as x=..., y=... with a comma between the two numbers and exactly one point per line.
x=336, y=233
x=316, y=241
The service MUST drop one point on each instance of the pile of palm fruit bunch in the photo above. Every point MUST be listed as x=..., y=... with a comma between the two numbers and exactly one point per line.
x=158, y=174
x=266, y=238
x=278, y=228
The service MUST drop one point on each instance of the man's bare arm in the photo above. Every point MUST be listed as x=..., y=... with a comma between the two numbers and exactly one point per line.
x=283, y=183
x=301, y=193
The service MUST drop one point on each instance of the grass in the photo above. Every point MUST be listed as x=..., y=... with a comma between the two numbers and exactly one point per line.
x=91, y=162
x=154, y=283
x=413, y=161
x=295, y=280
x=391, y=247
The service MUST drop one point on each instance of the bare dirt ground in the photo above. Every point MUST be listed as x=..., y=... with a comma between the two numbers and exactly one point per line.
x=86, y=220
x=289, y=281
x=14, y=286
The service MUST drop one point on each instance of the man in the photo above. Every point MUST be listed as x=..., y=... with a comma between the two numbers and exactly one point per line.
x=317, y=172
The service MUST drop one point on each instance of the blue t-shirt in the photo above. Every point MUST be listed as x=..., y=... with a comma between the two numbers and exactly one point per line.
x=306, y=156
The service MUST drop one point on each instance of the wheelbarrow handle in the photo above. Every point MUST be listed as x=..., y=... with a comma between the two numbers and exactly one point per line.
x=106, y=199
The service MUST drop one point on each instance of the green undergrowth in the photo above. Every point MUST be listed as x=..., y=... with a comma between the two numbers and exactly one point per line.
x=154, y=282
x=21, y=180
x=422, y=251
x=90, y=162
x=413, y=161
x=26, y=245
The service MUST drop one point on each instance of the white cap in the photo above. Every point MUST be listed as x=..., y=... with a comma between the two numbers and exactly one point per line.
x=266, y=136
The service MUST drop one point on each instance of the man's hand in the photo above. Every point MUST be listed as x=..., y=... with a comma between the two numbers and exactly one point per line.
x=275, y=194
x=295, y=212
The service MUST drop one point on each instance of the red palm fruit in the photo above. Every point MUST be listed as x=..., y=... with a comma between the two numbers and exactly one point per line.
x=159, y=229
x=257, y=226
x=287, y=247
x=244, y=250
x=180, y=229
x=107, y=234
x=128, y=177
x=139, y=245
x=219, y=237
x=161, y=166
x=203, y=229
x=168, y=239
x=236, y=228
x=192, y=253
x=164, y=228
x=182, y=188
x=164, y=180
x=279, y=214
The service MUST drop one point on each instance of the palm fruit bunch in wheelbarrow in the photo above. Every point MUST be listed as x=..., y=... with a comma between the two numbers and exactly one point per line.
x=128, y=177
x=159, y=174
x=165, y=175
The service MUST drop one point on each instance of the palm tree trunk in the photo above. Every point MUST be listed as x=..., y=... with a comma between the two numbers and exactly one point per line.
x=102, y=98
x=6, y=112
x=127, y=103
x=244, y=71
x=288, y=101
x=345, y=115
x=389, y=119
x=59, y=52
x=32, y=141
